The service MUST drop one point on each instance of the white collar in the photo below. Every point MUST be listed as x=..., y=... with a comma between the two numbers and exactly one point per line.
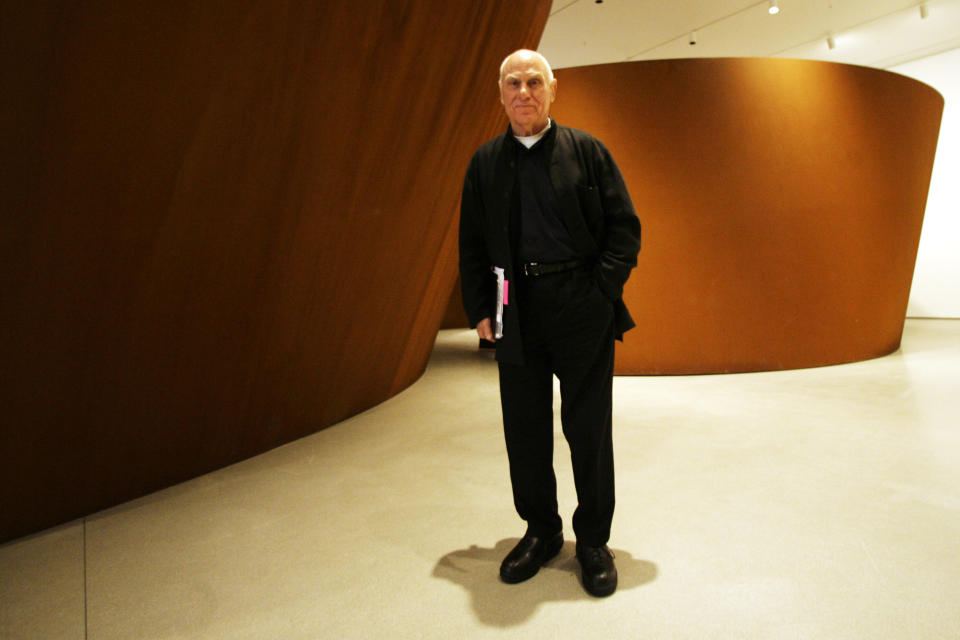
x=529, y=141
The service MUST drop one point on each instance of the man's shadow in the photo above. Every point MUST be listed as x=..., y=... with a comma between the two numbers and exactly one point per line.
x=497, y=604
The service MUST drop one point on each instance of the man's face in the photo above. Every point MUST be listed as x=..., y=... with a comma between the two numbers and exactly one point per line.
x=525, y=94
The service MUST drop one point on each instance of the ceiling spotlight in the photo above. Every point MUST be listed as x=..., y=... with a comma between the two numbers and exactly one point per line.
x=693, y=38
x=924, y=12
x=774, y=8
x=831, y=43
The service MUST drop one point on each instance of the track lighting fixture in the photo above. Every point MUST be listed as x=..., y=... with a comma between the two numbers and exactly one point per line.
x=831, y=43
x=774, y=8
x=924, y=12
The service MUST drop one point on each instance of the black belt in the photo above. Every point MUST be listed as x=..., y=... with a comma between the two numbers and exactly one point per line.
x=535, y=269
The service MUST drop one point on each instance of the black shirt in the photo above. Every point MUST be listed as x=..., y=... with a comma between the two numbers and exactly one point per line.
x=543, y=236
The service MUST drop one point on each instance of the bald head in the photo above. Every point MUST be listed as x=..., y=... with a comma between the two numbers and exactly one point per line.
x=527, y=89
x=527, y=56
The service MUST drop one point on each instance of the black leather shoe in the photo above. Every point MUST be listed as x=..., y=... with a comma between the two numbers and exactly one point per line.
x=597, y=570
x=528, y=556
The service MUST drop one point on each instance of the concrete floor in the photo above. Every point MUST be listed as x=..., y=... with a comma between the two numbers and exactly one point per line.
x=821, y=503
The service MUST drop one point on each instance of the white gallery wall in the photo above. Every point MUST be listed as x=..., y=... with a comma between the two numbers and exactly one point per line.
x=936, y=279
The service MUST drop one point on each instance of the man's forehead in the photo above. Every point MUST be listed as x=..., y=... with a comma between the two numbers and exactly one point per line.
x=525, y=69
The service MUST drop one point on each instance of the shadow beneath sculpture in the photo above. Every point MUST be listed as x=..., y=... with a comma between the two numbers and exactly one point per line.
x=497, y=604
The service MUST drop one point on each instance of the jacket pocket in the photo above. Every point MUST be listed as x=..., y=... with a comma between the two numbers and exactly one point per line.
x=589, y=199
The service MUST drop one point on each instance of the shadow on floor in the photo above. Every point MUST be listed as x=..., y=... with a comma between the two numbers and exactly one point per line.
x=497, y=604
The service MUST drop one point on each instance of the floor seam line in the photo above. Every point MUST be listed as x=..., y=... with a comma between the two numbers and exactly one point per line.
x=85, y=632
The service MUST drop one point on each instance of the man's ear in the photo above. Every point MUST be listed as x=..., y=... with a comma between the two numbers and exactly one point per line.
x=553, y=90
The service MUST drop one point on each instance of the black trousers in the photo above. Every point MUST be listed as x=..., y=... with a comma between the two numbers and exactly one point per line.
x=567, y=330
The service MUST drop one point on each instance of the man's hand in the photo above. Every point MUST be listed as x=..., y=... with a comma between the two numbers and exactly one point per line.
x=484, y=330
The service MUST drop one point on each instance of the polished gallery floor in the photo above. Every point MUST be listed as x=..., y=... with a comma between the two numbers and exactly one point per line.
x=820, y=503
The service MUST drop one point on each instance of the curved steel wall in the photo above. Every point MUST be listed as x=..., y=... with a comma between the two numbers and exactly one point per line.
x=225, y=225
x=781, y=203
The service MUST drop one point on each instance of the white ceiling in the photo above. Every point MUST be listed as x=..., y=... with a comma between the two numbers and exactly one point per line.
x=875, y=33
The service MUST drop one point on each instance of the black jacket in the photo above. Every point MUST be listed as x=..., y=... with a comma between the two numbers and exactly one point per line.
x=593, y=204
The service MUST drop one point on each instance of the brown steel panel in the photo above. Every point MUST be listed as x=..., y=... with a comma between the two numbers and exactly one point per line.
x=222, y=225
x=781, y=203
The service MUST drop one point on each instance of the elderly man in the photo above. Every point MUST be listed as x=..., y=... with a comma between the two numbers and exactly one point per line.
x=548, y=237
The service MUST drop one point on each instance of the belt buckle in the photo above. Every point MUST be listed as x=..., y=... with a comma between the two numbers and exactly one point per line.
x=531, y=269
